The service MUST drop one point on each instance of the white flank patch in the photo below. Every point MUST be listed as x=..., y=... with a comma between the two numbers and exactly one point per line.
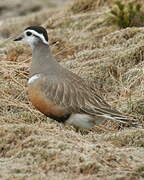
x=81, y=120
x=33, y=78
x=39, y=35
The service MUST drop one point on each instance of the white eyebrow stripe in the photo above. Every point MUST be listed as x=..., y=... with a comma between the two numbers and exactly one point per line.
x=38, y=34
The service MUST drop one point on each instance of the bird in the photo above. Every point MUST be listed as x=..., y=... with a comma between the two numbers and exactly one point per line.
x=59, y=93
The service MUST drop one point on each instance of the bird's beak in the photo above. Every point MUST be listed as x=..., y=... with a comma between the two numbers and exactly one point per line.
x=19, y=38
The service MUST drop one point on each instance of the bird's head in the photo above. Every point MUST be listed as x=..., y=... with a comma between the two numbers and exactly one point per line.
x=34, y=35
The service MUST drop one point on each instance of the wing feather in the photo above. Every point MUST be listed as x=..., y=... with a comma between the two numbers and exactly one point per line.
x=77, y=97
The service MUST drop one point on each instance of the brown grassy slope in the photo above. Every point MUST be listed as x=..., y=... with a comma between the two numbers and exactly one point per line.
x=35, y=147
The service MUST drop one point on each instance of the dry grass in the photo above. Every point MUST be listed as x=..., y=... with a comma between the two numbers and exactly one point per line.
x=34, y=147
x=78, y=6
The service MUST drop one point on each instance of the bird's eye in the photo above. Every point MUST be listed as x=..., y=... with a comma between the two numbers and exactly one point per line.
x=28, y=33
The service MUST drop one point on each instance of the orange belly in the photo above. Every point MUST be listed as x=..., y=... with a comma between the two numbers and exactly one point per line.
x=43, y=104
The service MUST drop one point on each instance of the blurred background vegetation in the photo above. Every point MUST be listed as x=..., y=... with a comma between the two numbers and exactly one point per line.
x=103, y=42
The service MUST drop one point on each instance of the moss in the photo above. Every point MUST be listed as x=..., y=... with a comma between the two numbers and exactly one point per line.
x=127, y=14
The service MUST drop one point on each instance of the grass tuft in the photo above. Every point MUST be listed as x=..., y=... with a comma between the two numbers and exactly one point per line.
x=127, y=14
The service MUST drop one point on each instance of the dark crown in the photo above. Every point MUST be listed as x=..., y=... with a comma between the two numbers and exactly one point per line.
x=40, y=30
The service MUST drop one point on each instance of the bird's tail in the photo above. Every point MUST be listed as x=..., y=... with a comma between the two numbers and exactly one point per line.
x=130, y=121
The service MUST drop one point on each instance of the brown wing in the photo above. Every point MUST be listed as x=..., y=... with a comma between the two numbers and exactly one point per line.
x=75, y=96
x=64, y=94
